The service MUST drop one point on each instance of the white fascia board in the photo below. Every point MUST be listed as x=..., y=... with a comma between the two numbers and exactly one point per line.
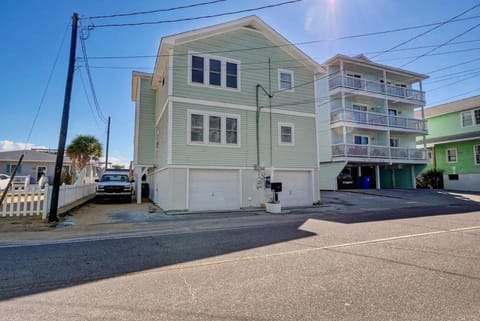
x=136, y=76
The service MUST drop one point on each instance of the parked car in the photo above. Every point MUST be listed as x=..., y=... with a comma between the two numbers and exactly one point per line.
x=4, y=181
x=345, y=179
x=114, y=185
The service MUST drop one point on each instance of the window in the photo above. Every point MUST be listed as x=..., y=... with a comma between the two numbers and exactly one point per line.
x=361, y=140
x=213, y=71
x=359, y=113
x=10, y=168
x=286, y=134
x=470, y=118
x=285, y=80
x=392, y=112
x=451, y=155
x=394, y=142
x=196, y=128
x=353, y=80
x=197, y=69
x=476, y=152
x=214, y=129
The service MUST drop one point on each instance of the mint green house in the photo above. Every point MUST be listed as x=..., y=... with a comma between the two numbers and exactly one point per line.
x=226, y=109
x=367, y=128
x=454, y=142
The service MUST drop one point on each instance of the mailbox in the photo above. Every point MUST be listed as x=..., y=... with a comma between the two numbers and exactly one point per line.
x=276, y=187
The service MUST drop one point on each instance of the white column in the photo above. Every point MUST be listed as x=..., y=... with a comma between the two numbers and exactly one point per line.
x=138, y=183
x=423, y=117
x=377, y=176
x=414, y=180
x=359, y=171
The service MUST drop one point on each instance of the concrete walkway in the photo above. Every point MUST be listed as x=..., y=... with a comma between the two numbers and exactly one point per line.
x=114, y=220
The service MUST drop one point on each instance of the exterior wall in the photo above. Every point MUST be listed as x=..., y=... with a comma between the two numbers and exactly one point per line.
x=302, y=154
x=253, y=70
x=161, y=139
x=453, y=121
x=169, y=188
x=465, y=158
x=30, y=169
x=323, y=120
x=465, y=182
x=146, y=129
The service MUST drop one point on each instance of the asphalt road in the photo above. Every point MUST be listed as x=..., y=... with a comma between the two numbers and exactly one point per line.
x=422, y=265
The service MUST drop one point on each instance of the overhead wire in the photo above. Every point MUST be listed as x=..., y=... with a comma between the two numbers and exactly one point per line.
x=88, y=99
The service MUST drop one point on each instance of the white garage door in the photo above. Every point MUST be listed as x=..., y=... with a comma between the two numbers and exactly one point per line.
x=214, y=190
x=296, y=187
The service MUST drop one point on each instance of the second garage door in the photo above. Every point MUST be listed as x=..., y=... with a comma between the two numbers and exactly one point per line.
x=296, y=187
x=214, y=189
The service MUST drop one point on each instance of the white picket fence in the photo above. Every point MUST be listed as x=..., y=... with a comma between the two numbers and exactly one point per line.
x=34, y=200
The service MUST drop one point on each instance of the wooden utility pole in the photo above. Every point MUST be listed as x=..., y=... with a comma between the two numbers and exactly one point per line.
x=108, y=143
x=52, y=216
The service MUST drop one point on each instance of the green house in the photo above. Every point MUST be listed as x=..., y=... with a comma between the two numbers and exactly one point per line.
x=454, y=142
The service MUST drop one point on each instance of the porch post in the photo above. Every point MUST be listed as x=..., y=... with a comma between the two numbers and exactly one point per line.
x=414, y=178
x=377, y=176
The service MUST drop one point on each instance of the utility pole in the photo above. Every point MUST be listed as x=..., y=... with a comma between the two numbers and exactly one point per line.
x=108, y=143
x=52, y=217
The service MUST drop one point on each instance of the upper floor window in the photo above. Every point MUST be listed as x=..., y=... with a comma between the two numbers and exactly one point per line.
x=285, y=80
x=214, y=71
x=394, y=142
x=470, y=117
x=213, y=128
x=451, y=155
x=286, y=134
x=361, y=140
x=476, y=154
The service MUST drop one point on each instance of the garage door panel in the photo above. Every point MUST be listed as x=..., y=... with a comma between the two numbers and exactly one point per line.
x=212, y=189
x=296, y=187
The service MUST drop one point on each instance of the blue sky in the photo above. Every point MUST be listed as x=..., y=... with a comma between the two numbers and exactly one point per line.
x=32, y=32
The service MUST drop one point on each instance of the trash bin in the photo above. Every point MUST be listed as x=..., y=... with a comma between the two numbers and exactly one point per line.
x=145, y=190
x=366, y=182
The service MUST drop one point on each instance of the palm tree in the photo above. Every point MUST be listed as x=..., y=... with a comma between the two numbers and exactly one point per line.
x=81, y=149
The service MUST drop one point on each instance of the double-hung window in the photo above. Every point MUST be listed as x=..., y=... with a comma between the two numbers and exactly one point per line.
x=476, y=154
x=470, y=118
x=286, y=134
x=451, y=155
x=285, y=80
x=213, y=128
x=213, y=71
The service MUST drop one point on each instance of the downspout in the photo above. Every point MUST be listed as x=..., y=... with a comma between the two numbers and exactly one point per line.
x=258, y=121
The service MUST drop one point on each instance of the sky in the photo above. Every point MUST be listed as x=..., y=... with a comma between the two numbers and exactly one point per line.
x=32, y=32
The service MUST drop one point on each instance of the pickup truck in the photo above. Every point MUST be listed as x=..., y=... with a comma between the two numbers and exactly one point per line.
x=114, y=185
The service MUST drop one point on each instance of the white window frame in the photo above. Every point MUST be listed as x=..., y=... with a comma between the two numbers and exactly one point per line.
x=475, y=154
x=394, y=138
x=446, y=155
x=206, y=128
x=291, y=73
x=369, y=140
x=472, y=115
x=279, y=129
x=206, y=71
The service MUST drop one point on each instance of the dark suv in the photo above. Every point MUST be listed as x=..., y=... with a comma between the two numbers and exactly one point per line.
x=345, y=179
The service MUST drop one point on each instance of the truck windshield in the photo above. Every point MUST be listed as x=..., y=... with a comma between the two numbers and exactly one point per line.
x=114, y=178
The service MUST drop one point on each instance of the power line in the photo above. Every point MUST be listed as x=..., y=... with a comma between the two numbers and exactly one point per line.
x=433, y=54
x=47, y=86
x=441, y=45
x=88, y=99
x=451, y=97
x=427, y=31
x=155, y=11
x=471, y=76
x=196, y=18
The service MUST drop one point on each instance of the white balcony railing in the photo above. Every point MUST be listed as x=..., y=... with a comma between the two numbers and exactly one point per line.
x=379, y=152
x=365, y=117
x=376, y=87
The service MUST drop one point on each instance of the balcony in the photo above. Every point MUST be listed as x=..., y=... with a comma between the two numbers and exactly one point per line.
x=378, y=119
x=377, y=88
x=380, y=153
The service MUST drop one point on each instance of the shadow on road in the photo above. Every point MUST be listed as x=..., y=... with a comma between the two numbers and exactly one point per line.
x=35, y=269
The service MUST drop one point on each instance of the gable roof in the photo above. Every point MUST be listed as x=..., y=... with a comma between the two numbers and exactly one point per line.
x=252, y=22
x=452, y=107
x=363, y=60
x=30, y=156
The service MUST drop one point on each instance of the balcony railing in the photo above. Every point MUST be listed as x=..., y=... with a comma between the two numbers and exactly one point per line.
x=380, y=152
x=369, y=118
x=376, y=87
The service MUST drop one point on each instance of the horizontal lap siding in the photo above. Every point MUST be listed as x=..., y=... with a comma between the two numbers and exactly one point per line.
x=146, y=130
x=253, y=71
x=303, y=154
x=162, y=150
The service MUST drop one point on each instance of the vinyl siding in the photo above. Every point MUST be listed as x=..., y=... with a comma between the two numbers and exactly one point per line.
x=253, y=70
x=303, y=154
x=162, y=137
x=453, y=121
x=465, y=158
x=146, y=129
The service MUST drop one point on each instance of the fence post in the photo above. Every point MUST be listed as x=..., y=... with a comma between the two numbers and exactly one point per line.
x=46, y=201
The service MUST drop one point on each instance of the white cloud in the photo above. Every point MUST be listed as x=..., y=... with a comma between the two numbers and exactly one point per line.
x=7, y=145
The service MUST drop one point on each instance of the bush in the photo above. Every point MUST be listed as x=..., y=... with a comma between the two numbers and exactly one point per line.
x=430, y=179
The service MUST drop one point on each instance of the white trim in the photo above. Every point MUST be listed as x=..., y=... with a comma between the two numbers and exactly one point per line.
x=456, y=155
x=475, y=155
x=279, y=135
x=206, y=71
x=452, y=141
x=161, y=113
x=206, y=127
x=369, y=140
x=317, y=134
x=313, y=185
x=137, y=124
x=472, y=114
x=170, y=72
x=187, y=189
x=294, y=169
x=292, y=81
x=170, y=133
x=210, y=103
